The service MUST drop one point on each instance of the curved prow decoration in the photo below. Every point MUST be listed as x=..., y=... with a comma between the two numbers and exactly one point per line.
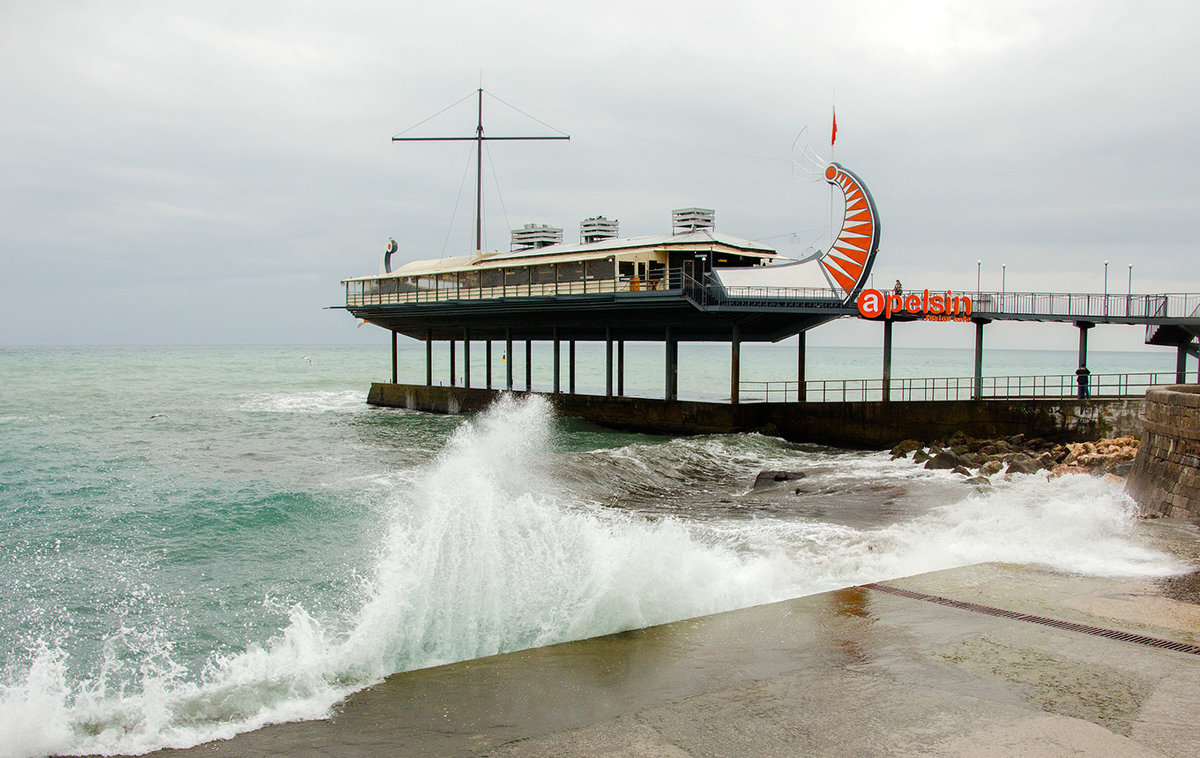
x=848, y=260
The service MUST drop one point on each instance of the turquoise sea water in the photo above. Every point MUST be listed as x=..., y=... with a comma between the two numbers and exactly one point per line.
x=199, y=541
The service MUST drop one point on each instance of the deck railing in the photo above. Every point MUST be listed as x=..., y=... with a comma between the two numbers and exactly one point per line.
x=703, y=290
x=395, y=292
x=952, y=388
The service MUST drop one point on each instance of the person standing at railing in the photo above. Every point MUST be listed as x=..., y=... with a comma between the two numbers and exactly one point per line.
x=1083, y=378
x=899, y=288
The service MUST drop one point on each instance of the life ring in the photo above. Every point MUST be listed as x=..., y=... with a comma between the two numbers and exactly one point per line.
x=391, y=246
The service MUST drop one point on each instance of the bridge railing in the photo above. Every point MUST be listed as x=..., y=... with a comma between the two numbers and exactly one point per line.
x=952, y=388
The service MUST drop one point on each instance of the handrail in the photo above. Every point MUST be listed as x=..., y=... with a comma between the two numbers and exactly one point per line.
x=953, y=388
x=705, y=290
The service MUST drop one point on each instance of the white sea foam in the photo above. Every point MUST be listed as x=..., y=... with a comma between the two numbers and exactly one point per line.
x=315, y=401
x=487, y=552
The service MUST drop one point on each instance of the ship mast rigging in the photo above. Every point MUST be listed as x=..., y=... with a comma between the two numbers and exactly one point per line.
x=479, y=139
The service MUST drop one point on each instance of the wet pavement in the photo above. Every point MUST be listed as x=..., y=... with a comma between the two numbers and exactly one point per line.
x=856, y=671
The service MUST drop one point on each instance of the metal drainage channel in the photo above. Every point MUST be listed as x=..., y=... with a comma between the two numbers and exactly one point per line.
x=1111, y=634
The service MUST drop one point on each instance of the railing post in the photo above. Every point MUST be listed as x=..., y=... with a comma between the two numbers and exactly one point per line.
x=557, y=363
x=608, y=361
x=886, y=388
x=735, y=365
x=428, y=358
x=977, y=392
x=801, y=393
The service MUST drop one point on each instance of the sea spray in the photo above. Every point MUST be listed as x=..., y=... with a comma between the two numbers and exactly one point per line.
x=507, y=540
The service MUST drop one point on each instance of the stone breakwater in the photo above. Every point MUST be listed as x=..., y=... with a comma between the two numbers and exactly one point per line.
x=979, y=460
x=1165, y=479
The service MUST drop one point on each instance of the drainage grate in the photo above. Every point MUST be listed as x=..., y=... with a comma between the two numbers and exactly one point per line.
x=1112, y=634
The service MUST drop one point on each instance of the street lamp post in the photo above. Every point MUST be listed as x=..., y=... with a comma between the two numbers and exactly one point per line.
x=1003, y=272
x=978, y=265
x=1129, y=292
x=1106, y=288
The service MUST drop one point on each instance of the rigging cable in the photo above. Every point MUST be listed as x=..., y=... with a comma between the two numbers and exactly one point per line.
x=496, y=181
x=430, y=118
x=457, y=200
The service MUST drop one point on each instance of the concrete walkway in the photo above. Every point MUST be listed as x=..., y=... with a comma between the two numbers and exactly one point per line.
x=855, y=672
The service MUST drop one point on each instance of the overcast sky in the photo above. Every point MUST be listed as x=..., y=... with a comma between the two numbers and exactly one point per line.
x=207, y=172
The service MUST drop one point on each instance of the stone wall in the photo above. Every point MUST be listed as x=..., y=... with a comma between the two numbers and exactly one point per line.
x=1165, y=479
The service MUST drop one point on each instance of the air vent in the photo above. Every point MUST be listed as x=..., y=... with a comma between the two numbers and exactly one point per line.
x=533, y=236
x=684, y=220
x=597, y=228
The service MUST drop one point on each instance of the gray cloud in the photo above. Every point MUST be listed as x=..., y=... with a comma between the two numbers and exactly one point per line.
x=207, y=172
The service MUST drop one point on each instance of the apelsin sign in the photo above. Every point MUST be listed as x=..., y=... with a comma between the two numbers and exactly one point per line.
x=935, y=307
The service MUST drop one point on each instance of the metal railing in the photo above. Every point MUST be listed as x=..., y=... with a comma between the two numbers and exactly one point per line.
x=394, y=292
x=704, y=290
x=952, y=388
x=1087, y=306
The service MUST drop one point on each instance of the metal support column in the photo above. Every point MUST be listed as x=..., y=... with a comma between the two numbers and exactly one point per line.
x=735, y=364
x=488, y=361
x=1181, y=365
x=571, y=366
x=801, y=394
x=453, y=379
x=508, y=359
x=887, y=360
x=394, y=368
x=621, y=368
x=977, y=381
x=557, y=364
x=428, y=358
x=672, y=366
x=466, y=357
x=1083, y=330
x=529, y=365
x=608, y=361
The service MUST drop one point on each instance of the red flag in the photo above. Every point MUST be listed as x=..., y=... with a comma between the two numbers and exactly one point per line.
x=833, y=136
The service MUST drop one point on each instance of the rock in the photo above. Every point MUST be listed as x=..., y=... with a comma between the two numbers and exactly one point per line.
x=991, y=467
x=1023, y=465
x=921, y=456
x=962, y=470
x=1067, y=468
x=988, y=449
x=979, y=481
x=902, y=449
x=767, y=478
x=960, y=438
x=945, y=460
x=1017, y=440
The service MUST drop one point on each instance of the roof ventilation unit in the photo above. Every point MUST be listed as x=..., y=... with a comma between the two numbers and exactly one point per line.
x=533, y=236
x=597, y=228
x=684, y=220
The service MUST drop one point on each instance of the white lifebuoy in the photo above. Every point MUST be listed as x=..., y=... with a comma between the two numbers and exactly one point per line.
x=391, y=246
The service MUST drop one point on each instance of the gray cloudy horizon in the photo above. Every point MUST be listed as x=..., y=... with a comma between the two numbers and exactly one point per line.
x=206, y=173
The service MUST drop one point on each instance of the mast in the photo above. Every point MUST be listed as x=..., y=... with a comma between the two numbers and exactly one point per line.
x=479, y=139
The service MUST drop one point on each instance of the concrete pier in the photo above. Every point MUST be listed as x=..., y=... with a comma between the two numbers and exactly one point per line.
x=855, y=671
x=866, y=425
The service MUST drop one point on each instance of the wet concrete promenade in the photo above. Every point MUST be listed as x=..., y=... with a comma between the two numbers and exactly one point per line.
x=854, y=672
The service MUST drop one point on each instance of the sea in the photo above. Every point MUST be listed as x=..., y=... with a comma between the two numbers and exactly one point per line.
x=197, y=542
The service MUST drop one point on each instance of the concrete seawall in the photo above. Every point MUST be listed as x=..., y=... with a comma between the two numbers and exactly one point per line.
x=1165, y=479
x=870, y=425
